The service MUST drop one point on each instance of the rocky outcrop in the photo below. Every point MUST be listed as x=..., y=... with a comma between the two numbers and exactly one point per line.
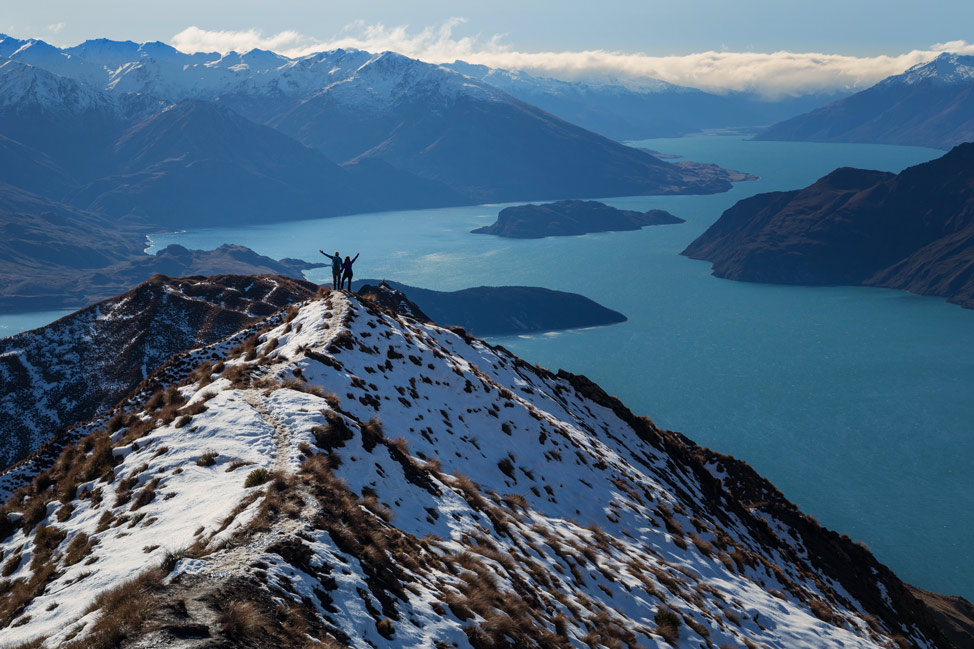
x=570, y=218
x=912, y=231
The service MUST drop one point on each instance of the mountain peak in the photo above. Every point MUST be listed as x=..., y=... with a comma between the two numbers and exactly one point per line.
x=947, y=69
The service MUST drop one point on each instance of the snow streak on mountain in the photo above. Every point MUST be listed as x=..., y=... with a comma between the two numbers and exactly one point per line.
x=350, y=476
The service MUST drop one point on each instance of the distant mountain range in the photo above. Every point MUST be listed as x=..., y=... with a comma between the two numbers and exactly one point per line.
x=912, y=231
x=653, y=109
x=117, y=139
x=931, y=104
x=148, y=120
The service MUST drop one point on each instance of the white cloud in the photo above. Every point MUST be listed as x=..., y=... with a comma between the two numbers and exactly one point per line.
x=770, y=73
x=290, y=42
x=55, y=28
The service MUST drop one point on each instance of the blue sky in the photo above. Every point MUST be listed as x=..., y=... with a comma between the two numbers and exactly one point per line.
x=673, y=27
x=866, y=40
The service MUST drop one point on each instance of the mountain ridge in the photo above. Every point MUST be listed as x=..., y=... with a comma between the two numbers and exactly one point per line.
x=447, y=534
x=928, y=105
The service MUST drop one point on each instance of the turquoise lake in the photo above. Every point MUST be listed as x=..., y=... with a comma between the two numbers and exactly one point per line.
x=857, y=403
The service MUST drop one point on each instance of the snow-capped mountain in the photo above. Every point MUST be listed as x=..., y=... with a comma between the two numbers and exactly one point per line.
x=931, y=104
x=351, y=477
x=425, y=119
x=948, y=69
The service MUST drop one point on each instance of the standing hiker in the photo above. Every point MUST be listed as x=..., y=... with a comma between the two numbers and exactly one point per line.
x=336, y=268
x=347, y=267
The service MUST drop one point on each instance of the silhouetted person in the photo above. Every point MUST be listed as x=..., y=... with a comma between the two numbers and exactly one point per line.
x=347, y=267
x=336, y=268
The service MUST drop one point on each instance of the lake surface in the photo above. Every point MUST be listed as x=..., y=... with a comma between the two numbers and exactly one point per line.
x=857, y=403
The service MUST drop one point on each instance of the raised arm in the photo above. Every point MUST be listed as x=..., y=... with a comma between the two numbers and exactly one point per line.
x=326, y=255
x=355, y=257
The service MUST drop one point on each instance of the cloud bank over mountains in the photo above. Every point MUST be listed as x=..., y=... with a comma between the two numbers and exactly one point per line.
x=772, y=74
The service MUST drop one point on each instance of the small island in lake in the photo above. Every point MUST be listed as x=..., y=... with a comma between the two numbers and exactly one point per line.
x=570, y=218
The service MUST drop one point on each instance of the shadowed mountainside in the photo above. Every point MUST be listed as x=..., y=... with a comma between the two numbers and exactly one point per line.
x=912, y=231
x=60, y=375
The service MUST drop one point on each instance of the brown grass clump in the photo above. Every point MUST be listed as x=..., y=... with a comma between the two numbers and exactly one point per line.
x=240, y=619
x=46, y=540
x=256, y=478
x=207, y=459
x=10, y=565
x=385, y=628
x=822, y=611
x=334, y=433
x=705, y=547
x=146, y=495
x=79, y=547
x=668, y=625
x=507, y=468
x=124, y=609
x=236, y=464
x=372, y=433
x=470, y=491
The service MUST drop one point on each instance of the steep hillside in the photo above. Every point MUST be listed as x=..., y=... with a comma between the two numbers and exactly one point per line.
x=81, y=365
x=931, y=104
x=361, y=479
x=478, y=140
x=912, y=231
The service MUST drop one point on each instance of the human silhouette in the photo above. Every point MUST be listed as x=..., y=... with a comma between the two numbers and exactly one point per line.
x=347, y=267
x=336, y=268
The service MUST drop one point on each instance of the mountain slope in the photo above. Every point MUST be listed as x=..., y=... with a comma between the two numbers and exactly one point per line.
x=421, y=488
x=931, y=104
x=472, y=137
x=912, y=231
x=68, y=121
x=198, y=162
x=81, y=365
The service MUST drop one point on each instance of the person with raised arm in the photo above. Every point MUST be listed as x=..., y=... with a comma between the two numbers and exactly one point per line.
x=336, y=268
x=347, y=268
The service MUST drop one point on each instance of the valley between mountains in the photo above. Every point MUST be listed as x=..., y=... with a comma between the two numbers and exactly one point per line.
x=338, y=474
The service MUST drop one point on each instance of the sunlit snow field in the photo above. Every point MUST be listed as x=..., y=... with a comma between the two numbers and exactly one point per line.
x=855, y=402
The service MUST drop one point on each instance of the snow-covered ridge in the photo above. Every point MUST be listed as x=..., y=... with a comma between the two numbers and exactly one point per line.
x=947, y=69
x=161, y=71
x=425, y=488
